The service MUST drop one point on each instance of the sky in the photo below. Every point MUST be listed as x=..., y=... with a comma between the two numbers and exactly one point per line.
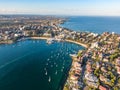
x=61, y=7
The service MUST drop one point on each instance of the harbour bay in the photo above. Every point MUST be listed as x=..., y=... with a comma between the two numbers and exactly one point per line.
x=33, y=64
x=59, y=45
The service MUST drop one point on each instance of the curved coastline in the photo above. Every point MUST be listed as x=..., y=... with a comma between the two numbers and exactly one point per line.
x=66, y=40
x=103, y=50
x=81, y=44
x=71, y=41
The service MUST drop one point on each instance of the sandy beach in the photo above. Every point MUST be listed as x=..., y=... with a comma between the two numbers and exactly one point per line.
x=81, y=44
x=71, y=41
x=39, y=38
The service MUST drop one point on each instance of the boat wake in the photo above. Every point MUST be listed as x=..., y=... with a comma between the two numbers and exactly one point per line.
x=8, y=63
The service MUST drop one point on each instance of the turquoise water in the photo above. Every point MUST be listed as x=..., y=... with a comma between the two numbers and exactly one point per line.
x=93, y=24
x=35, y=65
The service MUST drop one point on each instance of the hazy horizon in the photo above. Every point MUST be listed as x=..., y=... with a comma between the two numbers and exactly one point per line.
x=62, y=7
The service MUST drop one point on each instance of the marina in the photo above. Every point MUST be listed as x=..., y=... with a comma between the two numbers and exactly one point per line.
x=43, y=63
x=46, y=56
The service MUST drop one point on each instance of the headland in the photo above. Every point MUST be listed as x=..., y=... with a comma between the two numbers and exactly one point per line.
x=96, y=67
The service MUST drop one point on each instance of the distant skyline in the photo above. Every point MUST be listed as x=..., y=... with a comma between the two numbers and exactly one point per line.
x=61, y=7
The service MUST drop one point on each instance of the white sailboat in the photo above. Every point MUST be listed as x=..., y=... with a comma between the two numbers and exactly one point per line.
x=61, y=70
x=46, y=72
x=48, y=59
x=49, y=80
x=56, y=73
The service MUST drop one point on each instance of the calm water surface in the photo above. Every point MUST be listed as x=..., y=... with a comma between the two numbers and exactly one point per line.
x=93, y=24
x=35, y=65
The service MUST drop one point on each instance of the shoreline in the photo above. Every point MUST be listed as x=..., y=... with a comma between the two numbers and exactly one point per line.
x=95, y=67
x=6, y=42
x=63, y=87
x=44, y=38
x=79, y=61
x=81, y=44
x=66, y=40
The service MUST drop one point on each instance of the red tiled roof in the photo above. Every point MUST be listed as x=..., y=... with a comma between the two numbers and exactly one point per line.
x=102, y=88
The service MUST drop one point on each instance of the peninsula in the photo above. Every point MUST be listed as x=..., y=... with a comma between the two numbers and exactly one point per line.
x=95, y=68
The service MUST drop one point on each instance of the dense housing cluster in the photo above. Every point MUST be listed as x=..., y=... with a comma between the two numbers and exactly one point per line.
x=98, y=65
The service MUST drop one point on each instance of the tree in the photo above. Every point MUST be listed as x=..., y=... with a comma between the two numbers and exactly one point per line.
x=79, y=54
x=30, y=33
x=96, y=72
x=115, y=88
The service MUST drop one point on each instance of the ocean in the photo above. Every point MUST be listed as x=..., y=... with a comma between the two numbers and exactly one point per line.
x=96, y=24
x=35, y=65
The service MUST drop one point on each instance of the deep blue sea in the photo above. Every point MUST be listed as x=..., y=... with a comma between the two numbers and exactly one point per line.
x=93, y=24
x=35, y=65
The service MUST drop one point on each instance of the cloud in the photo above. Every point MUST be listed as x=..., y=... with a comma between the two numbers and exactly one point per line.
x=63, y=11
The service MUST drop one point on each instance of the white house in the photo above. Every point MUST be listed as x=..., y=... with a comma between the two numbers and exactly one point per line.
x=95, y=45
